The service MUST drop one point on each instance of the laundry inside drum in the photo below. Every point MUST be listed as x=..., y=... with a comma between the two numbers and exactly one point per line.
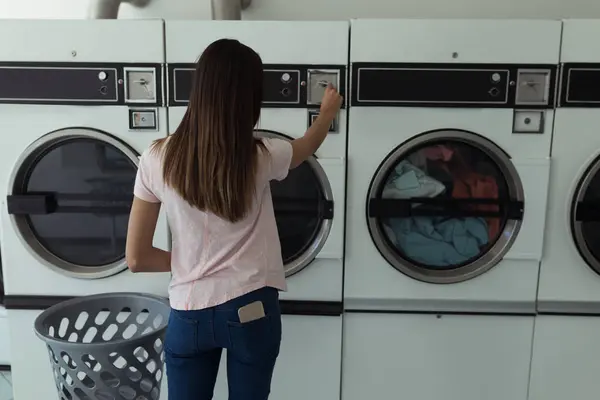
x=451, y=192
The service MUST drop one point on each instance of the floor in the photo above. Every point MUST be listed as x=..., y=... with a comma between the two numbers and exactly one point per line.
x=5, y=386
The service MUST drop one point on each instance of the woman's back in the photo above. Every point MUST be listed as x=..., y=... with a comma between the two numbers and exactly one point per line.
x=212, y=177
x=214, y=260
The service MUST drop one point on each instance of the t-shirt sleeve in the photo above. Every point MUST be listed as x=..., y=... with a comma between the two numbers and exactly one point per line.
x=279, y=157
x=143, y=188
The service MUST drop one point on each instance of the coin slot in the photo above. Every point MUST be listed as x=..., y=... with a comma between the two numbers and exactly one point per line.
x=140, y=85
x=318, y=80
x=533, y=87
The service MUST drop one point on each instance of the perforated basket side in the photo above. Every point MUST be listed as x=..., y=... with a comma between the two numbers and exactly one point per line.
x=106, y=346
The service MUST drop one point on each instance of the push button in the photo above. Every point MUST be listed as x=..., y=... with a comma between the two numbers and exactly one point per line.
x=142, y=120
x=312, y=116
x=526, y=121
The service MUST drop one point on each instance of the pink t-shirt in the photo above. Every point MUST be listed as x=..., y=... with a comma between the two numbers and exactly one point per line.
x=214, y=260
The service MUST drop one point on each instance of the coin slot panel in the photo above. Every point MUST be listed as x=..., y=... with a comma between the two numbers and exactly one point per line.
x=318, y=80
x=533, y=87
x=140, y=85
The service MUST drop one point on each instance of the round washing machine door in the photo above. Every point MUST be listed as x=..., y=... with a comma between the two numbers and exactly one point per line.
x=69, y=198
x=303, y=205
x=445, y=206
x=585, y=216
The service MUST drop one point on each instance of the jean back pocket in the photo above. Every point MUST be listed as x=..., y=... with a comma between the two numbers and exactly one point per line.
x=256, y=341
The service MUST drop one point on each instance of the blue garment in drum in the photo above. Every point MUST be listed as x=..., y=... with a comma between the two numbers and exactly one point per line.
x=433, y=241
x=438, y=241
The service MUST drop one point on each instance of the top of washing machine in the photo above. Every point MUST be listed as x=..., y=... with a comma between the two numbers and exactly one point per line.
x=277, y=42
x=578, y=41
x=455, y=41
x=89, y=41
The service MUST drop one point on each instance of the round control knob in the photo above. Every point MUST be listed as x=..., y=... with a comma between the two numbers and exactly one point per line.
x=102, y=76
x=494, y=92
x=285, y=92
x=496, y=77
x=286, y=78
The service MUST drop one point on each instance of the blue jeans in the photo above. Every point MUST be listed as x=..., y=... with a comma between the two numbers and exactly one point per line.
x=195, y=340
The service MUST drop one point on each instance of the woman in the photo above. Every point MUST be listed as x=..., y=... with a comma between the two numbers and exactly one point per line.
x=212, y=176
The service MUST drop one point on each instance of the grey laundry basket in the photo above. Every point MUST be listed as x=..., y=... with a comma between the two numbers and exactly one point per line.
x=107, y=346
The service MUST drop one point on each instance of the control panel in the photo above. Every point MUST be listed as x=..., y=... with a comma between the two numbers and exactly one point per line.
x=578, y=87
x=454, y=85
x=80, y=83
x=281, y=86
x=284, y=85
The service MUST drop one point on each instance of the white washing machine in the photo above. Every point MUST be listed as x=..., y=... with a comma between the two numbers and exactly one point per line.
x=309, y=203
x=448, y=164
x=79, y=101
x=565, y=352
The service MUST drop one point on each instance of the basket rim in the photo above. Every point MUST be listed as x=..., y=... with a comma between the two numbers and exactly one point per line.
x=38, y=327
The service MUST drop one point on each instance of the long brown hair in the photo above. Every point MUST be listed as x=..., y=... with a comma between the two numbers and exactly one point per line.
x=211, y=159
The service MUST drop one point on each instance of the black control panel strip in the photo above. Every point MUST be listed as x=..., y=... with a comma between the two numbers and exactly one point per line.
x=528, y=86
x=288, y=307
x=82, y=84
x=12, y=302
x=284, y=85
x=5, y=368
x=578, y=85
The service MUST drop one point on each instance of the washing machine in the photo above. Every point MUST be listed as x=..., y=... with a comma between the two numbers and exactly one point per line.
x=448, y=165
x=565, y=353
x=79, y=102
x=309, y=203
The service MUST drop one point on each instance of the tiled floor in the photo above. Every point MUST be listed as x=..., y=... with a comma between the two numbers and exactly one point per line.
x=5, y=386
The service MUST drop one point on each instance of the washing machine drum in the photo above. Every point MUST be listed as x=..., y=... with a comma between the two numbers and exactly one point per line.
x=445, y=206
x=303, y=205
x=585, y=216
x=71, y=198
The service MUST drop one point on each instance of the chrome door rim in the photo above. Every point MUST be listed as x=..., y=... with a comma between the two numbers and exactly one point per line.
x=487, y=260
x=311, y=253
x=584, y=180
x=23, y=229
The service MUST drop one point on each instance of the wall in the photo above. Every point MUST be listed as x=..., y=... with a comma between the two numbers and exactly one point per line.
x=320, y=9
